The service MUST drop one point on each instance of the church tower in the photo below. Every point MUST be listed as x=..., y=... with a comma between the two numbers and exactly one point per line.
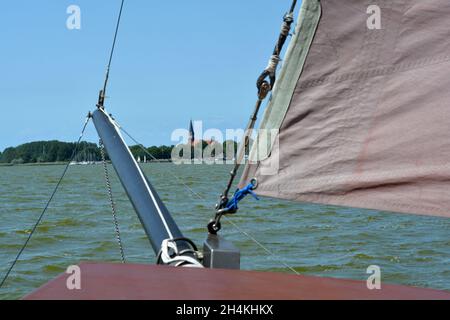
x=191, y=134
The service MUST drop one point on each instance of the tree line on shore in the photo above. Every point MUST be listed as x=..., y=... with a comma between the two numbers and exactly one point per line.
x=57, y=151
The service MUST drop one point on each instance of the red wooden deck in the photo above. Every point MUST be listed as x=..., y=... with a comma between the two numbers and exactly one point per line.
x=149, y=282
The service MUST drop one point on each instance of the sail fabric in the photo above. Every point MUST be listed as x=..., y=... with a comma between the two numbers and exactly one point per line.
x=363, y=113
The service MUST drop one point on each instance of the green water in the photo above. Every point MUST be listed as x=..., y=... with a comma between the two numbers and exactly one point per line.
x=314, y=239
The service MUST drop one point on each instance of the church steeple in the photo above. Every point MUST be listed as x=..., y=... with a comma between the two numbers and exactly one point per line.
x=191, y=133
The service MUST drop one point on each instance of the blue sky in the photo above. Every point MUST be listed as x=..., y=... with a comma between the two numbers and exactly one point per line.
x=175, y=60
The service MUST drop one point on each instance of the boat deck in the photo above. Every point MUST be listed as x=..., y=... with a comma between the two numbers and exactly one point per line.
x=149, y=282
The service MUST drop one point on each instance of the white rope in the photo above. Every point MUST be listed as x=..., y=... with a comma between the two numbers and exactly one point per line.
x=169, y=248
x=286, y=28
x=273, y=64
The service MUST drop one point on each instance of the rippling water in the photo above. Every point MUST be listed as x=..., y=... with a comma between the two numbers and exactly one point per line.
x=313, y=239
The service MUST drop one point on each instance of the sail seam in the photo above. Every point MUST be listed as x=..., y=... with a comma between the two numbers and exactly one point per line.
x=367, y=74
x=347, y=200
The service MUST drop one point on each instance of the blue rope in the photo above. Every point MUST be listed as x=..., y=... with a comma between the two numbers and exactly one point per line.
x=232, y=205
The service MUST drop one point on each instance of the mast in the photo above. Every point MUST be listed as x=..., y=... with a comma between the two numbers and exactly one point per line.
x=153, y=214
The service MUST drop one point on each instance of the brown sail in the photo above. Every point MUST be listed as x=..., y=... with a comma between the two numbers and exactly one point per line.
x=362, y=106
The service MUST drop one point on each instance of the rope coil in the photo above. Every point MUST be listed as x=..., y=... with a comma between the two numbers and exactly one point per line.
x=171, y=255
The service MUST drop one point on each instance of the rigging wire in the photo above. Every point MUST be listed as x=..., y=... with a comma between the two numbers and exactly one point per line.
x=140, y=145
x=269, y=252
x=41, y=216
x=101, y=99
x=200, y=197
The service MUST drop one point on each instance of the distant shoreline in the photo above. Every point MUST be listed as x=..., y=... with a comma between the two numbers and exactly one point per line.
x=60, y=163
x=50, y=153
x=58, y=152
x=33, y=164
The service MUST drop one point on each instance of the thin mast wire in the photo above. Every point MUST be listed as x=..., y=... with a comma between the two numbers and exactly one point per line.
x=74, y=153
x=269, y=252
x=113, y=47
x=102, y=95
x=153, y=157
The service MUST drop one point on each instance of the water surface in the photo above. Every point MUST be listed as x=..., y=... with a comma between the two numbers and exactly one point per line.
x=313, y=239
